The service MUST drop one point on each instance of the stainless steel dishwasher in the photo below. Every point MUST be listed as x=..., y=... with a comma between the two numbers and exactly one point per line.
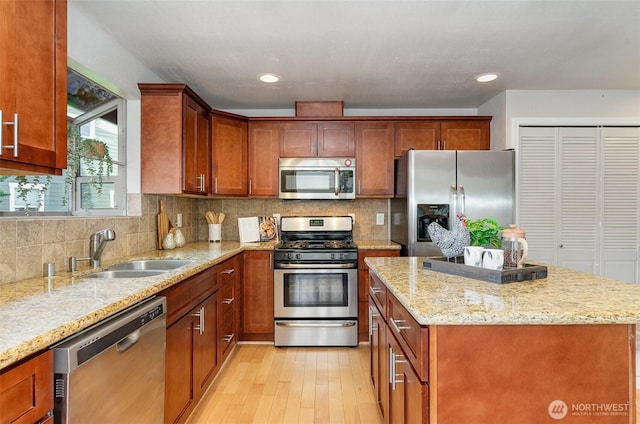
x=113, y=372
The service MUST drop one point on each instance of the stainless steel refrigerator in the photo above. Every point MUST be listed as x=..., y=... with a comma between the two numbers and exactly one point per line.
x=434, y=185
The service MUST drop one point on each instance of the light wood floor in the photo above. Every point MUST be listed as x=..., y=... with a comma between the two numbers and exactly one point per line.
x=265, y=384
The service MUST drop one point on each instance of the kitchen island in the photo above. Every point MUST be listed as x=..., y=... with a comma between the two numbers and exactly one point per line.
x=452, y=349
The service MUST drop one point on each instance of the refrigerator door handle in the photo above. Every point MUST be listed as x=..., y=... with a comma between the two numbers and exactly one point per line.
x=462, y=198
x=454, y=201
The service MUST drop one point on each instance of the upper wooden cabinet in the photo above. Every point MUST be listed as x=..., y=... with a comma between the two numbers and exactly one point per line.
x=264, y=150
x=229, y=140
x=453, y=134
x=175, y=140
x=322, y=139
x=374, y=159
x=33, y=77
x=416, y=136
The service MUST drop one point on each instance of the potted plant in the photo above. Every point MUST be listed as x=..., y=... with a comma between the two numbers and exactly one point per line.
x=485, y=232
x=91, y=152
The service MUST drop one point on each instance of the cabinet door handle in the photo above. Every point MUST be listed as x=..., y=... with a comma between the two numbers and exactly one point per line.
x=227, y=338
x=393, y=375
x=396, y=326
x=201, y=183
x=228, y=301
x=372, y=313
x=249, y=186
x=16, y=134
x=215, y=190
x=200, y=326
x=229, y=271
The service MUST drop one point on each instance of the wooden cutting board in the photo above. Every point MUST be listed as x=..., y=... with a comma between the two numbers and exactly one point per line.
x=163, y=224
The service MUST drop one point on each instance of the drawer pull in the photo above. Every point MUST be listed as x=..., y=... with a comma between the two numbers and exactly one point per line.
x=228, y=338
x=396, y=326
x=229, y=271
x=228, y=301
x=374, y=291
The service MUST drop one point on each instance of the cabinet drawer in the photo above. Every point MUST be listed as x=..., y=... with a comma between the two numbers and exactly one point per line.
x=228, y=270
x=378, y=293
x=184, y=296
x=413, y=338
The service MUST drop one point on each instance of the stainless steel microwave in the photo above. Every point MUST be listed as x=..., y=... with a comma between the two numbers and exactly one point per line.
x=317, y=178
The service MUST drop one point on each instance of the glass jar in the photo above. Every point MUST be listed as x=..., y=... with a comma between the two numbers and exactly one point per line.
x=515, y=247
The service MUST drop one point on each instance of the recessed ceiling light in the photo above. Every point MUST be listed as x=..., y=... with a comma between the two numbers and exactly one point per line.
x=270, y=78
x=487, y=77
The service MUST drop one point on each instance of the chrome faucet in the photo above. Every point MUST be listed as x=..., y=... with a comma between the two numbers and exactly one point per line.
x=97, y=242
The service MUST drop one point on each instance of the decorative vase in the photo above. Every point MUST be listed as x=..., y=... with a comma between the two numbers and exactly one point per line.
x=169, y=242
x=180, y=241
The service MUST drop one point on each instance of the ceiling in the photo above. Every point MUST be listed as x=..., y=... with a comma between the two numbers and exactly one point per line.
x=377, y=54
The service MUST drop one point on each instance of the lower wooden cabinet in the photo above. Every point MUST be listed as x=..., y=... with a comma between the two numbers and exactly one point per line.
x=408, y=396
x=257, y=296
x=229, y=298
x=26, y=391
x=379, y=358
x=363, y=288
x=402, y=393
x=191, y=358
x=201, y=333
x=179, y=398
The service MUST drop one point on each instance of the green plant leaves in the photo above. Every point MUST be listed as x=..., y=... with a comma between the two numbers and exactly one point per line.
x=485, y=232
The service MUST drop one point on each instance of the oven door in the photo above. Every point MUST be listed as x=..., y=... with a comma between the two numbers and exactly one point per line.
x=316, y=293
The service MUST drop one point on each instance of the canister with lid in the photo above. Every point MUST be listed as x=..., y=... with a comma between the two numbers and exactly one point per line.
x=515, y=246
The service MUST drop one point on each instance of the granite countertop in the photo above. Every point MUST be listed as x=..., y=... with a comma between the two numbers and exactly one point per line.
x=37, y=313
x=564, y=297
x=376, y=245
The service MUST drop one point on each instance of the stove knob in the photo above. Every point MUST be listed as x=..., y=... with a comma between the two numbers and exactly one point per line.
x=298, y=256
x=289, y=255
x=333, y=256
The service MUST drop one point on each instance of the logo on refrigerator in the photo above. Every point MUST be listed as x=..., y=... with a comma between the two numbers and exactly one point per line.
x=557, y=409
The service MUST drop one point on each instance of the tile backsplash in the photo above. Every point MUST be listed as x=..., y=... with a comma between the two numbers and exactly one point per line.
x=26, y=243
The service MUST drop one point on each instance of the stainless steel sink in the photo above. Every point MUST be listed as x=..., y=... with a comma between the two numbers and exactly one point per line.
x=127, y=273
x=151, y=264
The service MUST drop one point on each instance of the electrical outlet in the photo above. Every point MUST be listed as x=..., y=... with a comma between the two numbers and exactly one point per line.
x=353, y=217
x=379, y=219
x=277, y=217
x=179, y=220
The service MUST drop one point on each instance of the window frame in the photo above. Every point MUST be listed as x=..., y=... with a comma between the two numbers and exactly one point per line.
x=120, y=207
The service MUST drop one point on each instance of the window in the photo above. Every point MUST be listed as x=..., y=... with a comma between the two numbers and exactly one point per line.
x=94, y=181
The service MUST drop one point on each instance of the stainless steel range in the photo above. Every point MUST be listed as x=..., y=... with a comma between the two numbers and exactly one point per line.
x=316, y=282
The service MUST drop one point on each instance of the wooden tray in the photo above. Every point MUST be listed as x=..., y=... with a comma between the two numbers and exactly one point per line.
x=528, y=272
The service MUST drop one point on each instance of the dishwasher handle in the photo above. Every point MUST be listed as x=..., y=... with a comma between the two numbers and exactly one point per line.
x=127, y=342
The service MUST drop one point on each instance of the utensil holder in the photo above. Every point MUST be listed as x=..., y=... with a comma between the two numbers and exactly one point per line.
x=215, y=233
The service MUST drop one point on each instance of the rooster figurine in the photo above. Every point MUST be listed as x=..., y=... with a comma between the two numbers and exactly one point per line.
x=451, y=242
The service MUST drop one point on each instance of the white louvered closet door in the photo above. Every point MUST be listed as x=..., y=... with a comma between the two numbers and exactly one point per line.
x=538, y=191
x=620, y=247
x=578, y=198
